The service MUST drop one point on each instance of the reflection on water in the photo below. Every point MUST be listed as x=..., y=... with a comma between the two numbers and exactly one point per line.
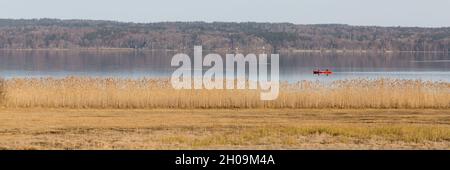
x=424, y=66
x=293, y=66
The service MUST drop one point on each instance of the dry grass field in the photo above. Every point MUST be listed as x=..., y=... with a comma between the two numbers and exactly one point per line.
x=109, y=113
x=224, y=129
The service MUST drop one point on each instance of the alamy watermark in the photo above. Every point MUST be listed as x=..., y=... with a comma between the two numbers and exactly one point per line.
x=235, y=77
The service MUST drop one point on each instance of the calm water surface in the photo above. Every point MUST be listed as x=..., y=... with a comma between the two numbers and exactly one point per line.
x=293, y=66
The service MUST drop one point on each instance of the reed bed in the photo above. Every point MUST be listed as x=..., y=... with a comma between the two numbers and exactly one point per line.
x=88, y=92
x=2, y=91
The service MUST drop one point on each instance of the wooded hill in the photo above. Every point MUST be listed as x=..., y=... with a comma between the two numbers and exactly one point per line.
x=54, y=33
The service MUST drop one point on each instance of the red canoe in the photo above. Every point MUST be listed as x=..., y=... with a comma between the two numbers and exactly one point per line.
x=322, y=72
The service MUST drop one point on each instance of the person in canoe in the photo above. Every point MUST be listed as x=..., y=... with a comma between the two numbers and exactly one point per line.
x=319, y=72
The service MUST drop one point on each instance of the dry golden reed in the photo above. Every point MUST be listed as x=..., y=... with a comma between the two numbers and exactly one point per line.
x=2, y=91
x=86, y=92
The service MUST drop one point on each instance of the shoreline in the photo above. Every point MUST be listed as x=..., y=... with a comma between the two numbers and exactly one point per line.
x=223, y=50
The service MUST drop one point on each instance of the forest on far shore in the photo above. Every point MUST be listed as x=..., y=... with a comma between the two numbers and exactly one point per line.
x=68, y=34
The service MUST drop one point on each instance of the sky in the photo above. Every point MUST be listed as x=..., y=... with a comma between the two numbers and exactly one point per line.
x=421, y=13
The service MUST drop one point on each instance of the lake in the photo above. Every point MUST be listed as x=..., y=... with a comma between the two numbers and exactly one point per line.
x=156, y=64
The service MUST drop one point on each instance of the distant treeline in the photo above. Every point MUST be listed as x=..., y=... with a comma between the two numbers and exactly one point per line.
x=54, y=33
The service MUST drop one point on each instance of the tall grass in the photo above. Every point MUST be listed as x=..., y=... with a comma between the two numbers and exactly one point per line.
x=2, y=91
x=85, y=92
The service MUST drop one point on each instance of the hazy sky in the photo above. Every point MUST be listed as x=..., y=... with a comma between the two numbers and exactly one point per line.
x=429, y=13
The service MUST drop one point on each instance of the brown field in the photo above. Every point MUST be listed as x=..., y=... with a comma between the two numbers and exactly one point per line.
x=109, y=113
x=79, y=92
x=224, y=129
